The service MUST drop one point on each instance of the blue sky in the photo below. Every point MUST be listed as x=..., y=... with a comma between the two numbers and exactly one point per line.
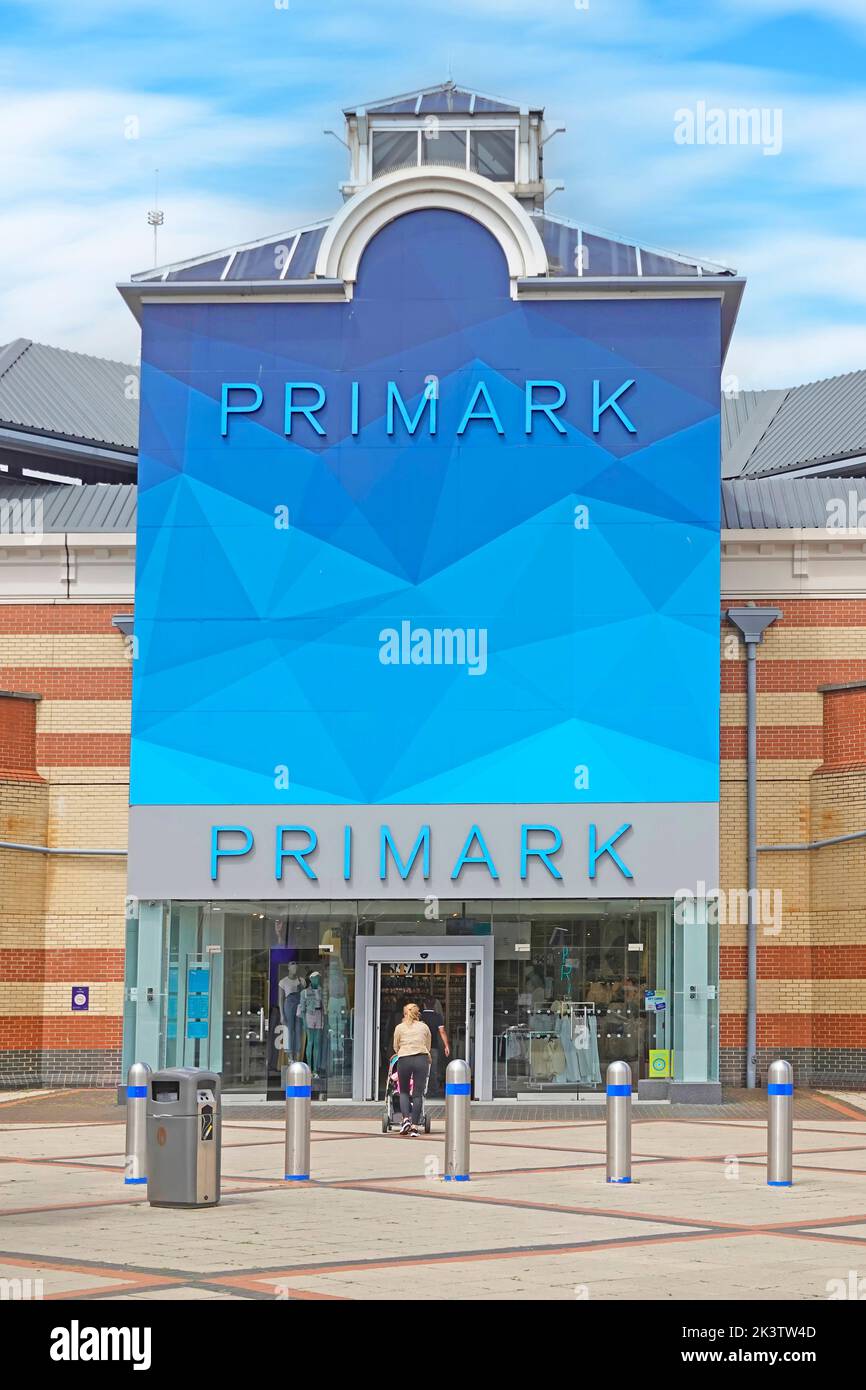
x=230, y=100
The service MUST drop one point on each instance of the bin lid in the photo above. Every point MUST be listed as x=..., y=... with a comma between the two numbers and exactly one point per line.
x=179, y=1085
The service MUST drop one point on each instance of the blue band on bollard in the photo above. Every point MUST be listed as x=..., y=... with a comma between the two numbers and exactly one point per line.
x=132, y=1180
x=619, y=1090
x=780, y=1088
x=136, y=1093
x=457, y=1088
x=456, y=1177
x=779, y=1184
x=298, y=1092
x=619, y=1179
x=297, y=1177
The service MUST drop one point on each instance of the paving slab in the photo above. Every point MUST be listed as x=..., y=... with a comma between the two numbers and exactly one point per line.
x=537, y=1221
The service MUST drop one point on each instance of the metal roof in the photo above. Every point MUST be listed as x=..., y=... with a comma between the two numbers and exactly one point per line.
x=750, y=504
x=286, y=256
x=747, y=504
x=816, y=426
x=576, y=248
x=67, y=395
x=445, y=98
x=106, y=507
x=572, y=249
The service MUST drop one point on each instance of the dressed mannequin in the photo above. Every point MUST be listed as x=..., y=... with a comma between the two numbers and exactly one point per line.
x=338, y=1011
x=291, y=988
x=311, y=1016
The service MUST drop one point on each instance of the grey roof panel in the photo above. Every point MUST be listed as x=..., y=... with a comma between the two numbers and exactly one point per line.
x=569, y=244
x=654, y=264
x=747, y=503
x=444, y=98
x=490, y=104
x=202, y=270
x=107, y=507
x=603, y=254
x=68, y=395
x=257, y=260
x=303, y=262
x=404, y=107
x=786, y=503
x=746, y=416
x=446, y=102
x=818, y=423
x=767, y=433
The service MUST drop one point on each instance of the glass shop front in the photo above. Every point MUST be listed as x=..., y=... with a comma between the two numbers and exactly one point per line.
x=539, y=996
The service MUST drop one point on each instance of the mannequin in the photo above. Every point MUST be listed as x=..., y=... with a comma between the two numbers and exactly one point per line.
x=311, y=1016
x=338, y=1011
x=290, y=989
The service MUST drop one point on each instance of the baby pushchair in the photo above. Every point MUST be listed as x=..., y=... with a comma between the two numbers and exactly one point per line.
x=392, y=1118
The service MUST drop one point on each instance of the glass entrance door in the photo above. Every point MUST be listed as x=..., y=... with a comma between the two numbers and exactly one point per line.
x=246, y=1021
x=442, y=989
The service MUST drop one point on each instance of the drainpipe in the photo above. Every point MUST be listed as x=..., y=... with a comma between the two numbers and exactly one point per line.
x=752, y=623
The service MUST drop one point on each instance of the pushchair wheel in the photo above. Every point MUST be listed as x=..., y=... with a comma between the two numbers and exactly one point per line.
x=427, y=1124
x=386, y=1124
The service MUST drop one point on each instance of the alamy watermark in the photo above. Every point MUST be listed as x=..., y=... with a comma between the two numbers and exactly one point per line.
x=22, y=516
x=436, y=646
x=846, y=516
x=21, y=1290
x=730, y=906
x=854, y=1287
x=734, y=125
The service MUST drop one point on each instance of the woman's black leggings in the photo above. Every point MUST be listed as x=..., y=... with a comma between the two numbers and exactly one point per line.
x=412, y=1068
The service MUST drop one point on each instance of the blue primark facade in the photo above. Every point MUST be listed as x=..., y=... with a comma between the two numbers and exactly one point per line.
x=426, y=688
x=269, y=565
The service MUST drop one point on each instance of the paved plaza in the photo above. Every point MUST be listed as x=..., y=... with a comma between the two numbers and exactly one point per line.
x=537, y=1221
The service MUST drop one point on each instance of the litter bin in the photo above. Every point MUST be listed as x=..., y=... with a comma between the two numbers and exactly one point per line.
x=183, y=1138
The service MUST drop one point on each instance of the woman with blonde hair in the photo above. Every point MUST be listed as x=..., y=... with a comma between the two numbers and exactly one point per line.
x=412, y=1046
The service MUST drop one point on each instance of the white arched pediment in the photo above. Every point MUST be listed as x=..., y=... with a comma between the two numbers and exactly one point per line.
x=433, y=186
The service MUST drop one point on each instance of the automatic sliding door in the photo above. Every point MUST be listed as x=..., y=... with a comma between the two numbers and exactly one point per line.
x=449, y=978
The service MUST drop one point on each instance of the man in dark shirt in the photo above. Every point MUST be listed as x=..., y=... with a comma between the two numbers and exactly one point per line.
x=439, y=1043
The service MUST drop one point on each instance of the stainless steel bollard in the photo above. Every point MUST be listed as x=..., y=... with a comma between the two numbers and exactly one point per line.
x=619, y=1122
x=137, y=1082
x=780, y=1124
x=458, y=1090
x=298, y=1096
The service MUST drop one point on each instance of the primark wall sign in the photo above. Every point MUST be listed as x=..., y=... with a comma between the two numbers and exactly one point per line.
x=306, y=401
x=431, y=550
x=475, y=851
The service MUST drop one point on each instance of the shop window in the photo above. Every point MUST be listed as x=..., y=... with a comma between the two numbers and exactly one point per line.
x=574, y=993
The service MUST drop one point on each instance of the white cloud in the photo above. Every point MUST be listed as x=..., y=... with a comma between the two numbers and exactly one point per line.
x=762, y=360
x=78, y=192
x=68, y=260
x=77, y=141
x=849, y=11
x=251, y=160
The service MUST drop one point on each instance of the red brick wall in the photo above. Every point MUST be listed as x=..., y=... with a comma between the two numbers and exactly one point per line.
x=58, y=618
x=797, y=963
x=823, y=936
x=66, y=653
x=845, y=728
x=17, y=738
x=85, y=965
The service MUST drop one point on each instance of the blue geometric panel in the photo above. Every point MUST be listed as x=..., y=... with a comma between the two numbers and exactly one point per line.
x=465, y=615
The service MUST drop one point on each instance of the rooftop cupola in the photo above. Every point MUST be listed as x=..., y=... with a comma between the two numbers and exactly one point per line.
x=447, y=126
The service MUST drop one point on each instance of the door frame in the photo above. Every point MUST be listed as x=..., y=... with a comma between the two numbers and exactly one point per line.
x=388, y=950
